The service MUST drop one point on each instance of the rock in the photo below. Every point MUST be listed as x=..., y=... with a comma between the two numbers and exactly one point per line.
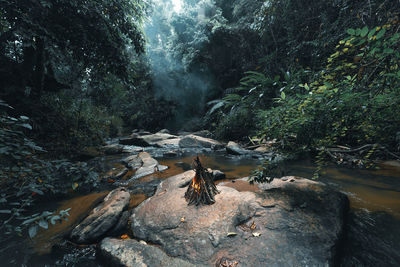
x=234, y=149
x=286, y=231
x=149, y=166
x=133, y=140
x=102, y=218
x=132, y=253
x=218, y=175
x=171, y=154
x=159, y=139
x=262, y=149
x=133, y=161
x=204, y=133
x=164, y=131
x=194, y=141
x=144, y=165
x=146, y=188
x=116, y=173
x=120, y=226
x=112, y=149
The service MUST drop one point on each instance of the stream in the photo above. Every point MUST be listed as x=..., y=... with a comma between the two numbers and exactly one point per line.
x=373, y=233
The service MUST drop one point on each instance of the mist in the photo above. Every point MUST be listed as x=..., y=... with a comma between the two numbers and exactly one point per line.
x=176, y=34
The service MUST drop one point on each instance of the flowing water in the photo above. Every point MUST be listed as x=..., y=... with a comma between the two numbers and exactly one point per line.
x=374, y=197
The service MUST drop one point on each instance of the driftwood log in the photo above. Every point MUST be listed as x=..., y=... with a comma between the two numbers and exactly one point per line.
x=202, y=189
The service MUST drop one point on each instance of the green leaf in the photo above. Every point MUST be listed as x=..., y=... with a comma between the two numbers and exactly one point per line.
x=33, y=230
x=364, y=31
x=283, y=95
x=372, y=32
x=351, y=31
x=43, y=224
x=380, y=34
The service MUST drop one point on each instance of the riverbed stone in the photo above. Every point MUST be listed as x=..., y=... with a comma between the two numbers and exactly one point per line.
x=133, y=253
x=292, y=222
x=234, y=148
x=102, y=218
x=194, y=141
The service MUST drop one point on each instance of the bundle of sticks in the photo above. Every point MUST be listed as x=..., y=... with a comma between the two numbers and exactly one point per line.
x=202, y=188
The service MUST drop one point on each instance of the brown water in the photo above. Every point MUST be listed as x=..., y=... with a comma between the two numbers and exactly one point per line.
x=370, y=190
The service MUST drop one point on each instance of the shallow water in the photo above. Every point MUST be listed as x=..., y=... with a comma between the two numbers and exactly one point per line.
x=369, y=191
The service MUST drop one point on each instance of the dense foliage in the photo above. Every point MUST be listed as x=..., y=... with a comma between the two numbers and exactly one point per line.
x=76, y=69
x=330, y=79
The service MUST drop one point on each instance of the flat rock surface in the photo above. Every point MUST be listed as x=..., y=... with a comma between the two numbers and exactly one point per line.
x=194, y=141
x=102, y=218
x=290, y=222
x=133, y=253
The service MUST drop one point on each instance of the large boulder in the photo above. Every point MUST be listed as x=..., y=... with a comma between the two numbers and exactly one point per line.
x=102, y=219
x=292, y=222
x=194, y=141
x=137, y=254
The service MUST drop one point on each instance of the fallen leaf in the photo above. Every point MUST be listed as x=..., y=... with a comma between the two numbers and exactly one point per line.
x=143, y=242
x=231, y=234
x=111, y=181
x=124, y=237
x=253, y=226
x=183, y=219
x=256, y=234
x=75, y=186
x=40, y=180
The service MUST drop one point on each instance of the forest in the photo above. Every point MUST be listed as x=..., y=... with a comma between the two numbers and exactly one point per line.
x=284, y=80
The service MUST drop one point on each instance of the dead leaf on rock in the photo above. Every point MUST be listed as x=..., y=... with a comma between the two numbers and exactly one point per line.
x=253, y=226
x=256, y=234
x=231, y=234
x=124, y=237
x=183, y=219
x=227, y=263
x=142, y=242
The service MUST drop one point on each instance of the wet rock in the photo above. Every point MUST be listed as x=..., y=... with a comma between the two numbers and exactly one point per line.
x=284, y=232
x=194, y=141
x=171, y=154
x=235, y=149
x=102, y=218
x=144, y=165
x=116, y=173
x=133, y=253
x=149, y=166
x=133, y=162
